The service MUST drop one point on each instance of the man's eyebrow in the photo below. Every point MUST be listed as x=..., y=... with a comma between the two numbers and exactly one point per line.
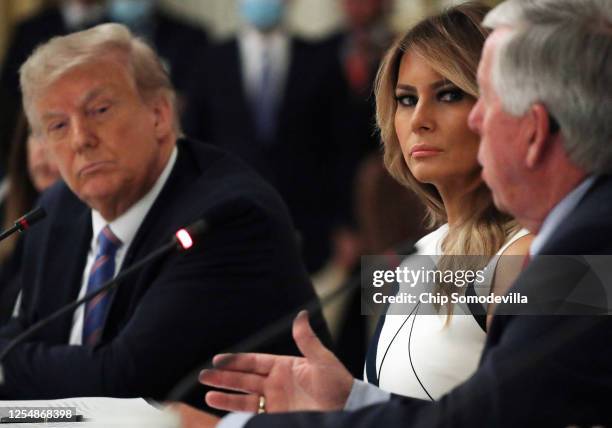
x=89, y=96
x=92, y=94
x=51, y=115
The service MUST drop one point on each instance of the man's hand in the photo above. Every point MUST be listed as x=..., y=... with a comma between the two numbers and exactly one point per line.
x=318, y=381
x=192, y=417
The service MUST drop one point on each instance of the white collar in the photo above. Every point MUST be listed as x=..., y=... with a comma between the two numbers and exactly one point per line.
x=126, y=225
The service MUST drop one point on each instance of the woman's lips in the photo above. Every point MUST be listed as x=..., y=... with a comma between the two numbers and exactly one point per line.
x=423, y=151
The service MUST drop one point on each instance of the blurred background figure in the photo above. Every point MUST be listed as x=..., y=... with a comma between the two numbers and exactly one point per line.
x=278, y=102
x=365, y=40
x=360, y=46
x=30, y=172
x=175, y=40
x=387, y=216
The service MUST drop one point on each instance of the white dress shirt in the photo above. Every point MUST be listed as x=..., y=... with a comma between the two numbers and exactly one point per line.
x=124, y=227
x=252, y=44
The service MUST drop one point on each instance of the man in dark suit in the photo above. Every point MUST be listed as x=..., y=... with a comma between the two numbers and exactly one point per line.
x=548, y=161
x=278, y=102
x=104, y=106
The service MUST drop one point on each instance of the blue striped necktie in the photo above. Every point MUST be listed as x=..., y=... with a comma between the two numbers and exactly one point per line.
x=102, y=270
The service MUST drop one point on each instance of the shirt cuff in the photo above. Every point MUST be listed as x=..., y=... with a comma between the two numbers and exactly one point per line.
x=235, y=420
x=364, y=394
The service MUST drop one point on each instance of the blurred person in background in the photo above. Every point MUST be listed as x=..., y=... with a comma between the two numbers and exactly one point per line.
x=359, y=48
x=175, y=40
x=30, y=172
x=363, y=43
x=279, y=103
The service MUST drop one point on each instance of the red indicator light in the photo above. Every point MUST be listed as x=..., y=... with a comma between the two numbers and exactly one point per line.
x=184, y=239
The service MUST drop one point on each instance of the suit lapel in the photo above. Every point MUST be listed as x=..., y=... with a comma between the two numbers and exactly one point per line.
x=66, y=267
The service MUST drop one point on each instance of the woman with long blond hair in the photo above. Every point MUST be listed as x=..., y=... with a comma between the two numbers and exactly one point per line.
x=425, y=89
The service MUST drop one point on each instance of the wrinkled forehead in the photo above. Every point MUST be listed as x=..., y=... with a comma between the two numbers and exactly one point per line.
x=112, y=60
x=79, y=84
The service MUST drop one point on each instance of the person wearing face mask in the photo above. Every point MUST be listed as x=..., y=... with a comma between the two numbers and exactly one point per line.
x=278, y=102
x=175, y=40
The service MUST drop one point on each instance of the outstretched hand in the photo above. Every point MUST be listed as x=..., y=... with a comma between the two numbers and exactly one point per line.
x=316, y=381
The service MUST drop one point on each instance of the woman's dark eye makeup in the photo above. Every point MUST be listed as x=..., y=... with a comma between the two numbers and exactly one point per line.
x=406, y=100
x=450, y=94
x=447, y=94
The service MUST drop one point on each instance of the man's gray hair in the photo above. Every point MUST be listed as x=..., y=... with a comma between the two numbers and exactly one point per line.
x=63, y=53
x=559, y=53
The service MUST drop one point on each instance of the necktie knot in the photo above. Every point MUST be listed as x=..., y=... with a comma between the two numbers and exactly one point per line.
x=108, y=242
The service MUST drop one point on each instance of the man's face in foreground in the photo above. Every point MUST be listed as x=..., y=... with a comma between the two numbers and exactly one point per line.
x=500, y=151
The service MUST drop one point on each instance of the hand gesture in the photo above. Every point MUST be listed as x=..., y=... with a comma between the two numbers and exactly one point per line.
x=316, y=381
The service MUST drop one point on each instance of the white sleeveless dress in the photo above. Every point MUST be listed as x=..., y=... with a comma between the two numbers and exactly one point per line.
x=418, y=355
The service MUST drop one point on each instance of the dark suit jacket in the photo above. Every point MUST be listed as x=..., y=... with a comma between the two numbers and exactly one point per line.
x=173, y=314
x=535, y=370
x=302, y=159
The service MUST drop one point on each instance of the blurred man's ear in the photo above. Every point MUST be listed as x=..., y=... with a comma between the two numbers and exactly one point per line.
x=544, y=128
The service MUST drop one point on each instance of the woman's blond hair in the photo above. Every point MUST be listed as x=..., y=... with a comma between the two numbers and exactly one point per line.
x=451, y=43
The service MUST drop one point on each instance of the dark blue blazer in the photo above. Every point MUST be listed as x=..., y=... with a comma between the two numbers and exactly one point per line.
x=174, y=314
x=541, y=371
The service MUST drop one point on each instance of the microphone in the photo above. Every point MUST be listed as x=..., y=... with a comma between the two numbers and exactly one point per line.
x=274, y=330
x=25, y=222
x=183, y=240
